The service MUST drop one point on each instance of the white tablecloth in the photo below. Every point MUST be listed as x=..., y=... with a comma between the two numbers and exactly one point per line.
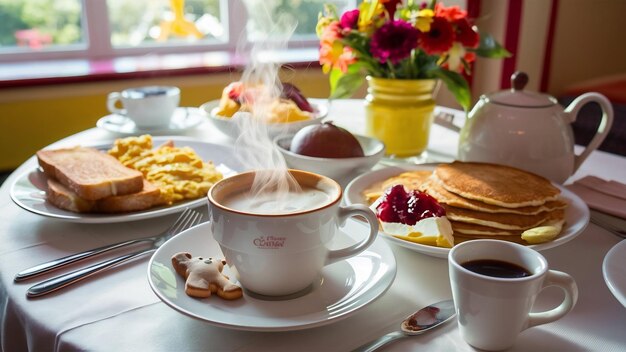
x=117, y=311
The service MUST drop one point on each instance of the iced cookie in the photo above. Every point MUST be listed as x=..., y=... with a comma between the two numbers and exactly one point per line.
x=204, y=276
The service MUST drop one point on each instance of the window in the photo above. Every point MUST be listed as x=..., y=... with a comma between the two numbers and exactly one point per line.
x=36, y=25
x=92, y=29
x=149, y=22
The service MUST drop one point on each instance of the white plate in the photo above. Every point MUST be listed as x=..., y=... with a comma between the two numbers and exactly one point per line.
x=576, y=214
x=614, y=271
x=28, y=190
x=230, y=127
x=184, y=119
x=344, y=288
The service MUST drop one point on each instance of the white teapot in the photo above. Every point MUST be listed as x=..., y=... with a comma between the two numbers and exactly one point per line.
x=529, y=130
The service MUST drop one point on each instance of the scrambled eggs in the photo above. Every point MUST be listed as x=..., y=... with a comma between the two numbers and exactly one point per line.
x=177, y=171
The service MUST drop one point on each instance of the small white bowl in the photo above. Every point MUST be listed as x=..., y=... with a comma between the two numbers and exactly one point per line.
x=339, y=169
x=230, y=127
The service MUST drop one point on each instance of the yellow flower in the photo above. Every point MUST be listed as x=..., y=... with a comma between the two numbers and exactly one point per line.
x=455, y=54
x=368, y=13
x=424, y=19
x=322, y=23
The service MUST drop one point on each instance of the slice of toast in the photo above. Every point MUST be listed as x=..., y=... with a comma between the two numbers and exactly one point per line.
x=91, y=174
x=64, y=198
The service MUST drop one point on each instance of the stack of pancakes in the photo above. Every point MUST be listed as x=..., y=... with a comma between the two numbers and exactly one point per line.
x=487, y=200
x=494, y=201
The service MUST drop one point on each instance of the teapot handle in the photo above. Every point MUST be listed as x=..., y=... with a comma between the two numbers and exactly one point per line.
x=571, y=112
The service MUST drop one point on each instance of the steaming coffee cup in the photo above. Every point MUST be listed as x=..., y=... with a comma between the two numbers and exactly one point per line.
x=494, y=285
x=276, y=250
x=148, y=107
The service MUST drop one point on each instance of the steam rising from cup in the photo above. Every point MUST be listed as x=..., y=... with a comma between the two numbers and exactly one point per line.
x=254, y=146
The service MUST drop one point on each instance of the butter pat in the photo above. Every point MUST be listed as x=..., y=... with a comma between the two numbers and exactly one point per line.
x=433, y=231
x=542, y=234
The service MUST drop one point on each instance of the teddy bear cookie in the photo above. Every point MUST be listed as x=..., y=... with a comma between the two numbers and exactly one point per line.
x=204, y=276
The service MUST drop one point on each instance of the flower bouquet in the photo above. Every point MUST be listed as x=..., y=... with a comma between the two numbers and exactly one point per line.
x=397, y=40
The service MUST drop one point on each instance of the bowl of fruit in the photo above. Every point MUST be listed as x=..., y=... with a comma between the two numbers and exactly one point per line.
x=331, y=151
x=239, y=111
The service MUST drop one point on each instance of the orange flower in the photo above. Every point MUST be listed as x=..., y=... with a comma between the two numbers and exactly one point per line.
x=451, y=13
x=333, y=54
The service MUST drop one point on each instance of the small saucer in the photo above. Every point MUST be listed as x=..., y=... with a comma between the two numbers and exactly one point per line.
x=184, y=119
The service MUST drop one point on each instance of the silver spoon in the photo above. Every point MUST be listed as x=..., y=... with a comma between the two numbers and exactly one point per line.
x=417, y=323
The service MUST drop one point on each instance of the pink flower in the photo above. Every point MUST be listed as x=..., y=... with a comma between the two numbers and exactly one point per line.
x=440, y=37
x=350, y=19
x=394, y=41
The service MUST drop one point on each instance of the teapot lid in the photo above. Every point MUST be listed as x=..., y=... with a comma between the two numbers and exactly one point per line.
x=518, y=97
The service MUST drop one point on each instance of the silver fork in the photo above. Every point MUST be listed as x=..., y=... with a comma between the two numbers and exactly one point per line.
x=64, y=261
x=190, y=218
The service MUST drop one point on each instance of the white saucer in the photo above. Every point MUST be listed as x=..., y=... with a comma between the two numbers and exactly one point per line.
x=614, y=271
x=344, y=288
x=183, y=120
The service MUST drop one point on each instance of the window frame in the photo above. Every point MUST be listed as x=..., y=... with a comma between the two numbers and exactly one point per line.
x=97, y=45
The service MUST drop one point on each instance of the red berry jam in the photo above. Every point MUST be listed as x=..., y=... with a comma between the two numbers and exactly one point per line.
x=408, y=208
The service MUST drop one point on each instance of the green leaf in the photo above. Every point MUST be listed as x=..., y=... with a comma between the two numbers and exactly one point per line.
x=490, y=48
x=457, y=85
x=343, y=85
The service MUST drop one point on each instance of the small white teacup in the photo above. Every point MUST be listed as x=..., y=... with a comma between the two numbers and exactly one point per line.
x=148, y=107
x=494, y=285
x=282, y=252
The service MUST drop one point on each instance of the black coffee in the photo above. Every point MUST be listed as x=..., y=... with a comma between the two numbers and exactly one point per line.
x=496, y=268
x=145, y=92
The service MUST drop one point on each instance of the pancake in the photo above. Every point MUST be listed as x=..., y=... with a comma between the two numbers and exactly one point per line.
x=412, y=180
x=543, y=233
x=444, y=196
x=458, y=238
x=495, y=184
x=505, y=221
x=468, y=229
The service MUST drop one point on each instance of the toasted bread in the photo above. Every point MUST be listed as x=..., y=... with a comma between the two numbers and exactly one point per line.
x=64, y=198
x=91, y=174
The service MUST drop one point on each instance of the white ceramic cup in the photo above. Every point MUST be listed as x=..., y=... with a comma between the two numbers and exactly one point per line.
x=281, y=254
x=492, y=311
x=148, y=107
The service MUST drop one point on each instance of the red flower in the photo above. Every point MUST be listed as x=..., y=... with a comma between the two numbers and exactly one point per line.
x=465, y=34
x=469, y=57
x=350, y=19
x=390, y=6
x=394, y=41
x=440, y=37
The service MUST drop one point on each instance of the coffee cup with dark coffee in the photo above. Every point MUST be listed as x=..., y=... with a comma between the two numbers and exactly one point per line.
x=148, y=107
x=495, y=284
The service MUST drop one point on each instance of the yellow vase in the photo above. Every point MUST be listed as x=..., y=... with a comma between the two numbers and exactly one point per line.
x=399, y=112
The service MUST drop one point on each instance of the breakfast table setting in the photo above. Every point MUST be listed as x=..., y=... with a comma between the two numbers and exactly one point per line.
x=138, y=306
